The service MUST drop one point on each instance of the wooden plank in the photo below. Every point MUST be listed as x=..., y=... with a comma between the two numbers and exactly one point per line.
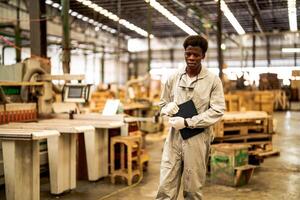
x=66, y=77
x=8, y=83
x=8, y=134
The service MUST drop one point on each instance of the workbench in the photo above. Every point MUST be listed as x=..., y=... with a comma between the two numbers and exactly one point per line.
x=61, y=153
x=21, y=161
x=96, y=143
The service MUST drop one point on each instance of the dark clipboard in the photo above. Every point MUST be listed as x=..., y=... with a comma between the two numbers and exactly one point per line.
x=188, y=110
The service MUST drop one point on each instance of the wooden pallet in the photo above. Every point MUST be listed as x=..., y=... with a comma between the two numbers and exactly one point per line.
x=243, y=123
x=253, y=139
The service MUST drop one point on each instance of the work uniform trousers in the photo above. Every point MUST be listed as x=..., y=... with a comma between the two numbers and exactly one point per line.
x=183, y=159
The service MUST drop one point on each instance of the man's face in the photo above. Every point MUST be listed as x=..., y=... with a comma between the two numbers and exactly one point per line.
x=193, y=57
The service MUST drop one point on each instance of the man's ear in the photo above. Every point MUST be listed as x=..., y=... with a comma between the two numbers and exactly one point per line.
x=203, y=56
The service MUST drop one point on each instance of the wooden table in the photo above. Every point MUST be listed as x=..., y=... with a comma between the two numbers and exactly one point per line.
x=61, y=152
x=22, y=162
x=96, y=143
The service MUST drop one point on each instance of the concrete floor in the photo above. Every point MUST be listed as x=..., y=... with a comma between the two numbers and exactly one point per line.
x=277, y=178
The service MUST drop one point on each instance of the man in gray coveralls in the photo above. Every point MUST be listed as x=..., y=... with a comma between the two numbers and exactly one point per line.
x=188, y=158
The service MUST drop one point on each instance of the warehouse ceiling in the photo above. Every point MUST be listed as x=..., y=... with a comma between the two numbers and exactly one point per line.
x=270, y=15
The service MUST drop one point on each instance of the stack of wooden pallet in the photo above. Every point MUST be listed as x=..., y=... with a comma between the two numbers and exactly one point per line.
x=98, y=100
x=267, y=100
x=252, y=128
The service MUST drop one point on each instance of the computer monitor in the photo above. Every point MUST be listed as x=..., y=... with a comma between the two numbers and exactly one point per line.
x=78, y=93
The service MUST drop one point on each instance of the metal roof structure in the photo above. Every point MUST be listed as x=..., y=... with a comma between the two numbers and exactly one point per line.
x=270, y=15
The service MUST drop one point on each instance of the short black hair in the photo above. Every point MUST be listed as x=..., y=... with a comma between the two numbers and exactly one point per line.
x=196, y=41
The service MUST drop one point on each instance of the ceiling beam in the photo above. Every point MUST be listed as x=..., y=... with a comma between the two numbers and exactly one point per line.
x=254, y=11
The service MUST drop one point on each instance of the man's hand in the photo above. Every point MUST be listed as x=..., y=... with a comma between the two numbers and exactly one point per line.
x=170, y=109
x=177, y=122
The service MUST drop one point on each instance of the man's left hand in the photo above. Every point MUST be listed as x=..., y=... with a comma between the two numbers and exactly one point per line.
x=177, y=122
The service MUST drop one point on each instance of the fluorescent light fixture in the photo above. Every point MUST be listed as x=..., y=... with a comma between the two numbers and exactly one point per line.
x=85, y=19
x=223, y=46
x=87, y=3
x=114, y=17
x=55, y=5
x=157, y=6
x=74, y=14
x=292, y=15
x=49, y=2
x=92, y=21
x=290, y=50
x=231, y=18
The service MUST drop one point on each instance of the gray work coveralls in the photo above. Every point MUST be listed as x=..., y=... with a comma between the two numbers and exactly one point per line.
x=188, y=158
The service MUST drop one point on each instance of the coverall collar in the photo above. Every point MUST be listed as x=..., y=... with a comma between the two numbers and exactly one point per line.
x=183, y=78
x=203, y=73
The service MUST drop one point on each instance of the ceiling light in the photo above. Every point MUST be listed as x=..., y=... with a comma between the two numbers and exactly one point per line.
x=113, y=31
x=79, y=16
x=55, y=5
x=85, y=19
x=292, y=15
x=171, y=17
x=98, y=9
x=104, y=27
x=49, y=2
x=74, y=14
x=114, y=17
x=234, y=22
x=86, y=2
x=93, y=6
x=223, y=46
x=290, y=50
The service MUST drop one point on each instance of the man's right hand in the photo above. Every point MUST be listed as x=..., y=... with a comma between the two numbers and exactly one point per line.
x=170, y=109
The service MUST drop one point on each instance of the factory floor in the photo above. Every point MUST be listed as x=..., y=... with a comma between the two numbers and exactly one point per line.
x=277, y=177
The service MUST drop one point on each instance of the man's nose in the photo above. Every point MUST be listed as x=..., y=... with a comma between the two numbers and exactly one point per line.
x=191, y=57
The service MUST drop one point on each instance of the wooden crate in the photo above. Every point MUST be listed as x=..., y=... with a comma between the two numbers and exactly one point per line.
x=229, y=164
x=264, y=101
x=233, y=102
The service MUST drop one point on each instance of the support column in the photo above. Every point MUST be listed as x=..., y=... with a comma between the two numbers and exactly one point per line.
x=268, y=50
x=66, y=36
x=102, y=61
x=253, y=43
x=38, y=29
x=219, y=40
x=149, y=30
x=18, y=40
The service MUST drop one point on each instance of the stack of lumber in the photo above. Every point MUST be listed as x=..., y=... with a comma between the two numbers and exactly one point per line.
x=268, y=81
x=98, y=100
